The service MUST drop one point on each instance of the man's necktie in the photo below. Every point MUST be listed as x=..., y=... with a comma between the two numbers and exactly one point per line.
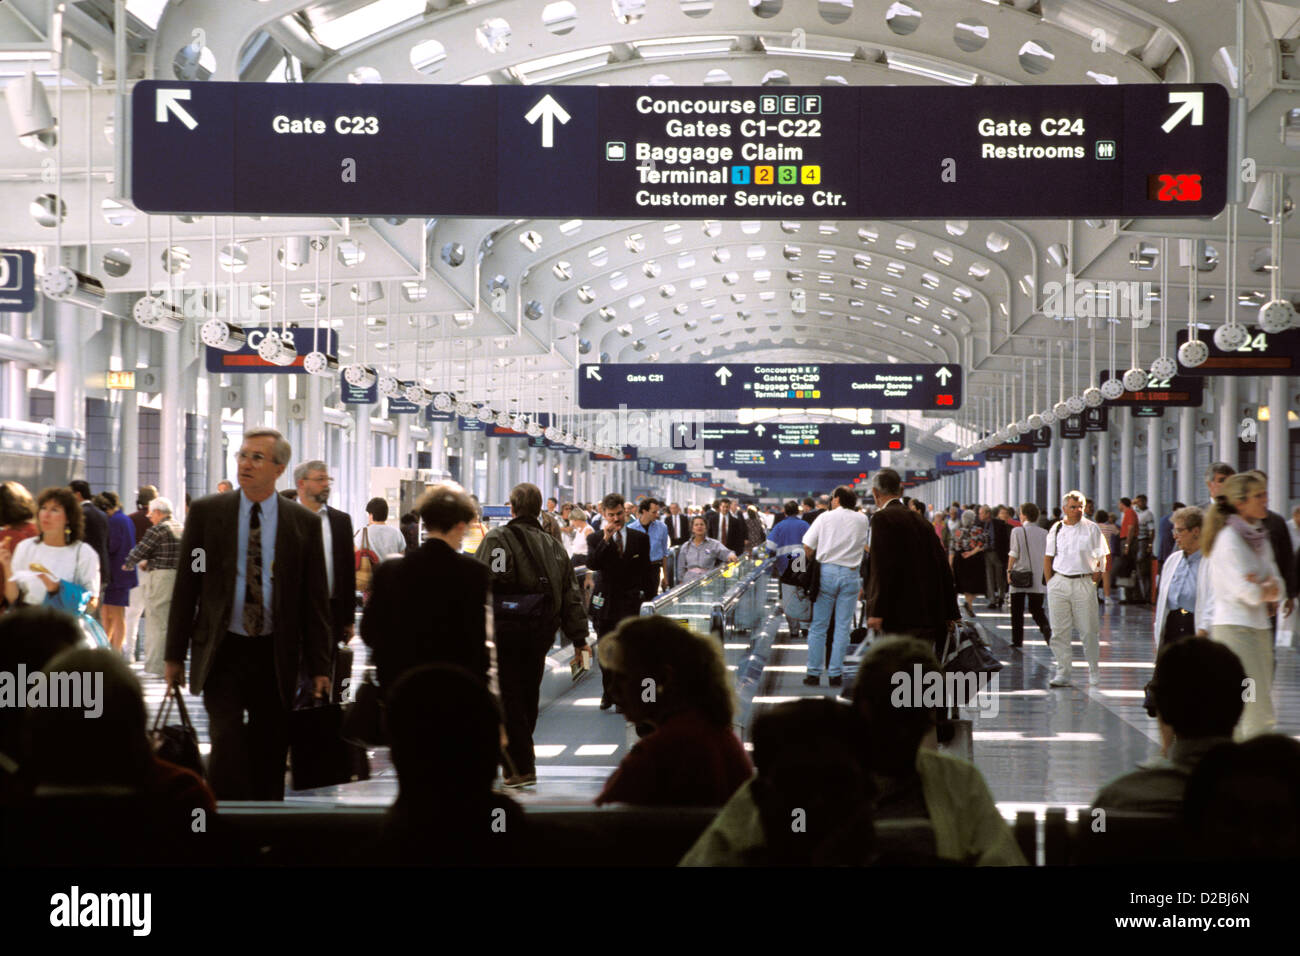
x=253, y=574
x=618, y=543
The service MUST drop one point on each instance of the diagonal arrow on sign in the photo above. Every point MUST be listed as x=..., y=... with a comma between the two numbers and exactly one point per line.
x=548, y=111
x=1193, y=104
x=593, y=371
x=168, y=101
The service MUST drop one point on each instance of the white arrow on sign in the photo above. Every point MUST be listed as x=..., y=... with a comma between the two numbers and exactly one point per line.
x=776, y=453
x=1193, y=105
x=548, y=111
x=723, y=374
x=759, y=429
x=943, y=375
x=168, y=101
x=593, y=371
x=894, y=429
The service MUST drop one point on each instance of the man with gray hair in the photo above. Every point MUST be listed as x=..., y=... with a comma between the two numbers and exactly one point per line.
x=246, y=631
x=1072, y=566
x=158, y=551
x=312, y=479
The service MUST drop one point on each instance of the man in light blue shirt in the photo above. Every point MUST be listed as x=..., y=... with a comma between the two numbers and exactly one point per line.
x=649, y=522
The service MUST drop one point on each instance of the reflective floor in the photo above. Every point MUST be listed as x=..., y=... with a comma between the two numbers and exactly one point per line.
x=1036, y=746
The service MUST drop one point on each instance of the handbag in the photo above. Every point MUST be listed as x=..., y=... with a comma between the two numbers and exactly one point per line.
x=1023, y=577
x=176, y=743
x=1178, y=625
x=318, y=754
x=366, y=562
x=965, y=651
x=364, y=721
x=519, y=614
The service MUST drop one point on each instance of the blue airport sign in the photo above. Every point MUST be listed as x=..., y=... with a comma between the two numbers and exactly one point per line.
x=432, y=415
x=769, y=385
x=245, y=358
x=891, y=436
x=615, y=152
x=792, y=459
x=470, y=424
x=352, y=395
x=400, y=406
x=17, y=280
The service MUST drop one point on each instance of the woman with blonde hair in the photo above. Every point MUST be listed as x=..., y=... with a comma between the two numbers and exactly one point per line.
x=1235, y=587
x=673, y=685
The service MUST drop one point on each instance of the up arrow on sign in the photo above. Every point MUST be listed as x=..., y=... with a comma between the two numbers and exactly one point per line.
x=723, y=374
x=943, y=375
x=548, y=111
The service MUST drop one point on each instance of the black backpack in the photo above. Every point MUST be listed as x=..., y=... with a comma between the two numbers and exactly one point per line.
x=521, y=613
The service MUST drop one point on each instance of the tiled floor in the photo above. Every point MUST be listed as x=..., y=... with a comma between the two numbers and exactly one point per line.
x=1042, y=747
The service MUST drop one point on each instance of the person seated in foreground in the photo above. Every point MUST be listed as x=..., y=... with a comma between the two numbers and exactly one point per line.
x=444, y=727
x=29, y=637
x=1197, y=690
x=98, y=792
x=911, y=779
x=673, y=685
x=1243, y=802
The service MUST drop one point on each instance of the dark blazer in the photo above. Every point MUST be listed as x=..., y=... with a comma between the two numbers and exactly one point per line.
x=679, y=528
x=1280, y=538
x=343, y=602
x=204, y=593
x=96, y=536
x=909, y=584
x=736, y=532
x=428, y=607
x=621, y=579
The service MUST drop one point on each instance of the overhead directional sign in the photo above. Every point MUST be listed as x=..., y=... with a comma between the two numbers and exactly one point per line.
x=884, y=436
x=246, y=358
x=947, y=462
x=1131, y=150
x=793, y=459
x=17, y=280
x=839, y=385
x=1096, y=419
x=1070, y=427
x=1177, y=391
x=1260, y=354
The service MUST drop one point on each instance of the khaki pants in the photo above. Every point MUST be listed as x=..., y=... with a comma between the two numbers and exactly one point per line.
x=1255, y=648
x=134, y=611
x=1072, y=605
x=158, y=602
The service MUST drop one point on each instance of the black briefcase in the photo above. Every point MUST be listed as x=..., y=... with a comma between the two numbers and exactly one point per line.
x=176, y=743
x=318, y=754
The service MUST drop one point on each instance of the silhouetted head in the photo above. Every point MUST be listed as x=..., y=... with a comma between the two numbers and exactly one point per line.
x=445, y=731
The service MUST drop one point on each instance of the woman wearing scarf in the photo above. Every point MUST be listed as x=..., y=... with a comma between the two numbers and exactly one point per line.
x=1244, y=581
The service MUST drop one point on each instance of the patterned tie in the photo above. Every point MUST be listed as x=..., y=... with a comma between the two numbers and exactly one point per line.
x=253, y=575
x=618, y=543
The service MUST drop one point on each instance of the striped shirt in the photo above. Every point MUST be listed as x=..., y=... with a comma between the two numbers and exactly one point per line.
x=161, y=547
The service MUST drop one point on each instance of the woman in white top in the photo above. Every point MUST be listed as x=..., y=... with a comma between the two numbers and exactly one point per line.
x=34, y=571
x=575, y=536
x=1028, y=545
x=1245, y=581
x=701, y=554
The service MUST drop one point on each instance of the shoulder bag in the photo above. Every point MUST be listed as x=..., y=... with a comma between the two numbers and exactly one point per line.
x=1023, y=577
x=366, y=562
x=520, y=613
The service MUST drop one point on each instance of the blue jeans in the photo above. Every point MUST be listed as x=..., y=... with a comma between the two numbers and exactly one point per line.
x=838, y=595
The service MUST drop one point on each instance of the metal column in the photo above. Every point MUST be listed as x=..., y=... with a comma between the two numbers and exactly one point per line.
x=1102, y=496
x=1279, y=450
x=1126, y=438
x=1229, y=419
x=1068, y=455
x=313, y=432
x=1155, y=460
x=128, y=436
x=1052, y=460
x=216, y=453
x=1187, y=455
x=1084, y=479
x=171, y=441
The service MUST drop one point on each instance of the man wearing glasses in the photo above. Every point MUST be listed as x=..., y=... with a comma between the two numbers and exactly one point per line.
x=250, y=603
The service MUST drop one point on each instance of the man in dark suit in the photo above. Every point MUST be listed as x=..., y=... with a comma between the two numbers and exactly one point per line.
x=909, y=588
x=313, y=481
x=431, y=606
x=728, y=528
x=96, y=528
x=622, y=561
x=250, y=603
x=679, y=525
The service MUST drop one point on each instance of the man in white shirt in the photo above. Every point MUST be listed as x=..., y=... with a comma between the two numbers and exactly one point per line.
x=1072, y=566
x=836, y=540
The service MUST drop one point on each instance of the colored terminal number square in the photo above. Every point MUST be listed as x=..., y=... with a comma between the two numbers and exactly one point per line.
x=812, y=175
x=739, y=175
x=764, y=175
x=787, y=175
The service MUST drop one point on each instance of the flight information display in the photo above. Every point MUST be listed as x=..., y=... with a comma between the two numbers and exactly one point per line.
x=417, y=149
x=1177, y=391
x=794, y=459
x=730, y=386
x=1262, y=353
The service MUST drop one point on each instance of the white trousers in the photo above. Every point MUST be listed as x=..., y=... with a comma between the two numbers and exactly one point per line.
x=1255, y=648
x=1072, y=605
x=134, y=611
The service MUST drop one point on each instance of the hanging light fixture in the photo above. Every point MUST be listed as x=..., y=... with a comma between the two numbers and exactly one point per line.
x=1278, y=314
